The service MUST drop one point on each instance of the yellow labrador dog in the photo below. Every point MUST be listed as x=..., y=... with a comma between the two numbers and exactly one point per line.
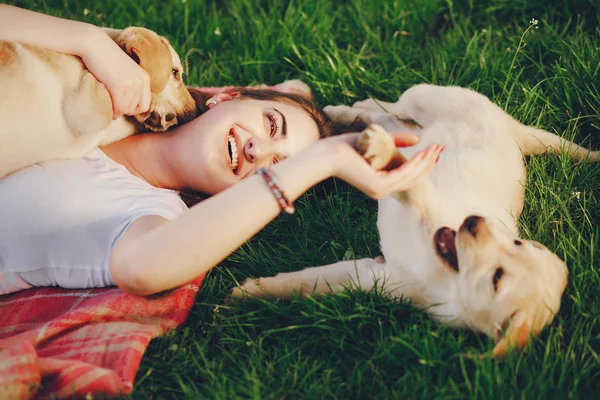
x=451, y=244
x=52, y=107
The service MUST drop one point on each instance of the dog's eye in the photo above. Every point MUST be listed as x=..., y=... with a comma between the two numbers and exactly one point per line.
x=497, y=276
x=518, y=242
x=176, y=73
x=499, y=333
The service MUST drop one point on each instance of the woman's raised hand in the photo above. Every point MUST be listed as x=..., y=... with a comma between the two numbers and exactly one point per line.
x=355, y=170
x=127, y=82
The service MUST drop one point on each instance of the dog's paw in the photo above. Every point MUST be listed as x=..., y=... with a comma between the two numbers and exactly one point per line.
x=345, y=115
x=369, y=105
x=249, y=288
x=294, y=86
x=378, y=148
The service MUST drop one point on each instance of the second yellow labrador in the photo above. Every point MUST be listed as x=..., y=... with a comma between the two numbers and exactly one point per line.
x=450, y=244
x=51, y=107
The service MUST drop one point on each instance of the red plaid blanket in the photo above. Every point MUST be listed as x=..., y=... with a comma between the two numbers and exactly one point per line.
x=70, y=343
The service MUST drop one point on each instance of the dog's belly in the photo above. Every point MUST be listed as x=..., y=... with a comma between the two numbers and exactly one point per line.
x=40, y=91
x=482, y=181
x=23, y=136
x=482, y=160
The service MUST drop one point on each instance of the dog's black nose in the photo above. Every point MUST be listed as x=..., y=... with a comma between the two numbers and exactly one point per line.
x=472, y=223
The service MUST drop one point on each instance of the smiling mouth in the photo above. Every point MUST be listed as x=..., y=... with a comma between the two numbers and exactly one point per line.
x=233, y=152
x=444, y=240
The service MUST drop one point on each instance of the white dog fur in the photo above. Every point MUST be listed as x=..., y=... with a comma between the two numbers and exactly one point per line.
x=451, y=244
x=51, y=107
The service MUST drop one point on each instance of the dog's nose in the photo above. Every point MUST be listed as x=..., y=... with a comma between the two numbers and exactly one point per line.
x=471, y=224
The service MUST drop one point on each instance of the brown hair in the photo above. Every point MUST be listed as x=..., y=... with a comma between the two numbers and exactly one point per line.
x=325, y=125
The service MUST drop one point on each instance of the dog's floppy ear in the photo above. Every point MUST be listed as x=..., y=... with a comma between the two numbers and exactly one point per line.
x=152, y=53
x=517, y=334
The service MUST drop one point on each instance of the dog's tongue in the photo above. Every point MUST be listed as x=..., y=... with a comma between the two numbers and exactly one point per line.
x=445, y=245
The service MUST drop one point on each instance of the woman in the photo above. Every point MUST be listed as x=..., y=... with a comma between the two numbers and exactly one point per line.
x=115, y=217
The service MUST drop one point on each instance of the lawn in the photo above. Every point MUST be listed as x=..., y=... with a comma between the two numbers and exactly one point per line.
x=538, y=59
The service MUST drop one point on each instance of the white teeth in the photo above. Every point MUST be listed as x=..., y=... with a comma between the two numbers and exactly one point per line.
x=234, y=153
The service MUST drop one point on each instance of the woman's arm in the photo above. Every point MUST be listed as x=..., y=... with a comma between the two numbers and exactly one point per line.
x=127, y=83
x=155, y=255
x=62, y=35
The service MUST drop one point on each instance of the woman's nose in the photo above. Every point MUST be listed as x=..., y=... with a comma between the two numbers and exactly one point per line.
x=255, y=150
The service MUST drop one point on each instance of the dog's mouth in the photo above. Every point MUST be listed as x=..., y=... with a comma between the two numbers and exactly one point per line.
x=444, y=241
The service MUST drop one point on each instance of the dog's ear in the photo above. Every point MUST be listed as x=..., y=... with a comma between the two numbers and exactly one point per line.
x=517, y=334
x=151, y=52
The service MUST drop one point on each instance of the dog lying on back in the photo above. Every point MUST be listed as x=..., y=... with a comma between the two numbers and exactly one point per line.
x=451, y=244
x=52, y=107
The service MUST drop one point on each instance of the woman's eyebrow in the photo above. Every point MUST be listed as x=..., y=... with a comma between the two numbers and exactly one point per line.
x=283, y=123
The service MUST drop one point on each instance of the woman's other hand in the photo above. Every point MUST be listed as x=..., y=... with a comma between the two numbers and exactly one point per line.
x=351, y=167
x=127, y=83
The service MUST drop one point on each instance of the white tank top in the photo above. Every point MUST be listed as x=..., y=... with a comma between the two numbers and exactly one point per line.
x=59, y=221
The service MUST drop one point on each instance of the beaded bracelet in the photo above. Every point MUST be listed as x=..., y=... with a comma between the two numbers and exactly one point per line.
x=271, y=181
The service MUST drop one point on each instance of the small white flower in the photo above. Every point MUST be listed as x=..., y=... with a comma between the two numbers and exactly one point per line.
x=533, y=21
x=217, y=31
x=86, y=11
x=576, y=194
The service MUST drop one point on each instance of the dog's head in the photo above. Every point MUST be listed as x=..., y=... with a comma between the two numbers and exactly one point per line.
x=171, y=103
x=509, y=288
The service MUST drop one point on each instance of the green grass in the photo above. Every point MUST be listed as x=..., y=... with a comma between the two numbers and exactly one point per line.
x=364, y=345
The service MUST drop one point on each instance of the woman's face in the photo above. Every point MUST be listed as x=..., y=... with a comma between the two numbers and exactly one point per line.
x=236, y=137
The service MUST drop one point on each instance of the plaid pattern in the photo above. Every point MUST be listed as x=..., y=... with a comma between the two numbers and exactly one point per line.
x=70, y=343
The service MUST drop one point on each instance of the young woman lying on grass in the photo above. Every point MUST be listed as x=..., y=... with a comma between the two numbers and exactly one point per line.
x=115, y=217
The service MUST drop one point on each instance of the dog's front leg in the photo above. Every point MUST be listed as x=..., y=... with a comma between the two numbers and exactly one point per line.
x=363, y=274
x=352, y=119
x=425, y=206
x=422, y=199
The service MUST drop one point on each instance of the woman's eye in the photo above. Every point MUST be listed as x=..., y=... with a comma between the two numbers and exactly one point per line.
x=275, y=161
x=273, y=125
